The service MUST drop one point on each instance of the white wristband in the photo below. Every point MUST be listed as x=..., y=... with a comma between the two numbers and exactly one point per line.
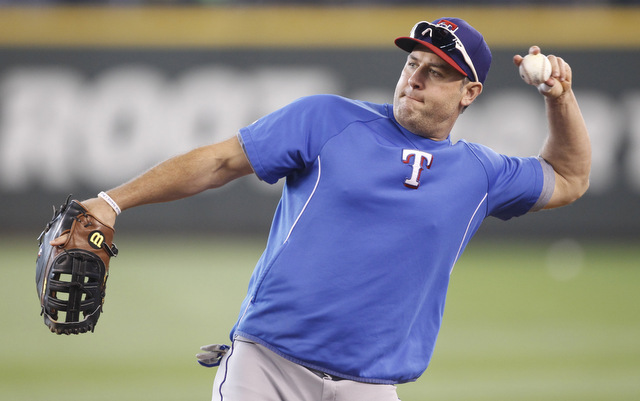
x=111, y=202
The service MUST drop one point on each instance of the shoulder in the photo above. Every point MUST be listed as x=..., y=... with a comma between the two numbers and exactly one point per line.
x=342, y=106
x=481, y=152
x=491, y=159
x=493, y=163
x=499, y=166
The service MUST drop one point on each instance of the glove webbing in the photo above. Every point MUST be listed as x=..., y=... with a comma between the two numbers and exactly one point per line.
x=82, y=288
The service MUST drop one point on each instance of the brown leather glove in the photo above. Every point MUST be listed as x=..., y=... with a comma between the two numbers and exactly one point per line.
x=71, y=279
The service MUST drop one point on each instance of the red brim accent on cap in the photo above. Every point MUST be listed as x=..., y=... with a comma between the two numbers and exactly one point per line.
x=407, y=44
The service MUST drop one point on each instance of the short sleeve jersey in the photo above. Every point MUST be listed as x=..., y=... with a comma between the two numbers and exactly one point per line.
x=372, y=219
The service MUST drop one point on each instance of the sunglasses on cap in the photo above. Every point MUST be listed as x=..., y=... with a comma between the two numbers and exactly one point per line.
x=444, y=39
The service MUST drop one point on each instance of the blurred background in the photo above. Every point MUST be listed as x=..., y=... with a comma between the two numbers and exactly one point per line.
x=91, y=95
x=94, y=92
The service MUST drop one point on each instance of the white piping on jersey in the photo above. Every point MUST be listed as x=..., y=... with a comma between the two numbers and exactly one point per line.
x=245, y=310
x=307, y=202
x=467, y=231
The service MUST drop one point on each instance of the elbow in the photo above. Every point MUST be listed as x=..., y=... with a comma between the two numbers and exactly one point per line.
x=579, y=189
x=567, y=191
x=575, y=190
x=580, y=182
x=585, y=187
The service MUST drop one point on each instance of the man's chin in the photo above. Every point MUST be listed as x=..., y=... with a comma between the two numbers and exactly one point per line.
x=405, y=117
x=405, y=110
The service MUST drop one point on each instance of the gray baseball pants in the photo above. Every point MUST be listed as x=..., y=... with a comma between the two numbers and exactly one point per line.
x=251, y=372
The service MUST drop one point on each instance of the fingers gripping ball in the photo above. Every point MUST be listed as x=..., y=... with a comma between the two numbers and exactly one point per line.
x=535, y=69
x=71, y=279
x=212, y=355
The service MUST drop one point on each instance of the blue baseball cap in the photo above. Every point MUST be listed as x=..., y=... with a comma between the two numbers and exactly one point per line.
x=456, y=42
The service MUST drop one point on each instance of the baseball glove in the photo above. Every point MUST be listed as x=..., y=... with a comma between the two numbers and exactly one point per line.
x=71, y=278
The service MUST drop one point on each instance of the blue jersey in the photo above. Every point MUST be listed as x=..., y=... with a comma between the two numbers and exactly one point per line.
x=371, y=221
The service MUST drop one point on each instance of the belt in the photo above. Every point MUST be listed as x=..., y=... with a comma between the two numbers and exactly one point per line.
x=324, y=375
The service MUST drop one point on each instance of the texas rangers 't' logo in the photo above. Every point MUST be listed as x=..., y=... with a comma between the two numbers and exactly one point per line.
x=448, y=24
x=419, y=161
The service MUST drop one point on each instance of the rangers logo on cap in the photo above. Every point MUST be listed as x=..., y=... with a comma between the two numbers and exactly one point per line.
x=448, y=24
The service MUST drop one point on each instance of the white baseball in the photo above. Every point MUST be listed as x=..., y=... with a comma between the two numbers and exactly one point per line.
x=535, y=69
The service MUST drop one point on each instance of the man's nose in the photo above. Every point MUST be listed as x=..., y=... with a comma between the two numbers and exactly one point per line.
x=416, y=80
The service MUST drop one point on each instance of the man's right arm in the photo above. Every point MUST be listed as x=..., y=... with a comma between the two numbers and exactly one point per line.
x=203, y=168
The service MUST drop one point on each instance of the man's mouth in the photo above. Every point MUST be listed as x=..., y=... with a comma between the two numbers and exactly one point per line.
x=413, y=98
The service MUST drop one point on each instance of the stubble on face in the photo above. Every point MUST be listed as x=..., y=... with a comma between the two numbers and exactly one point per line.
x=428, y=94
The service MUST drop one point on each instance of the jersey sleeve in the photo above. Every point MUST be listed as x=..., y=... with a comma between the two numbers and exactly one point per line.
x=291, y=138
x=516, y=185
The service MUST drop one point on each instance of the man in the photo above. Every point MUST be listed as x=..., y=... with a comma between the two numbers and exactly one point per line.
x=348, y=296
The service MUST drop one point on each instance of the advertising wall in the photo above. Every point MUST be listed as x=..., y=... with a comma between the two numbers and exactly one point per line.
x=91, y=97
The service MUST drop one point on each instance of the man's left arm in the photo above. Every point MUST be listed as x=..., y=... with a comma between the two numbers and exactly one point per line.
x=567, y=147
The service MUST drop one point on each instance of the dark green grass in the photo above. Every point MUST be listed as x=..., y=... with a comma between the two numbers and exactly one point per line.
x=548, y=321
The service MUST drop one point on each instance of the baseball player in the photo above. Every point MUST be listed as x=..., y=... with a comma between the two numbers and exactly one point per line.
x=378, y=205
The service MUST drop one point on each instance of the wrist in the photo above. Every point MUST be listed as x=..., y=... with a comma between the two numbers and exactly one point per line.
x=105, y=197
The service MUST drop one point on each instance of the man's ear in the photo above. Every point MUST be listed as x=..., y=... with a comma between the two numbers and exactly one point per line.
x=470, y=92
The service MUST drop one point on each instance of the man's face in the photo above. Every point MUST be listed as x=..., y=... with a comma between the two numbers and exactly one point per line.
x=429, y=95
